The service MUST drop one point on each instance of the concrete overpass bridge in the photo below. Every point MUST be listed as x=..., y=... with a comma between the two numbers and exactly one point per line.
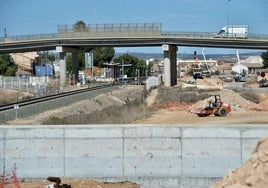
x=73, y=38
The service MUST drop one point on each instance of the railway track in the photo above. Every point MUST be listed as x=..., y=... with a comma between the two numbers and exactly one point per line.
x=50, y=97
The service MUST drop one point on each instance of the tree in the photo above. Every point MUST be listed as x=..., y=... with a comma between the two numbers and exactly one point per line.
x=264, y=56
x=102, y=55
x=136, y=64
x=80, y=26
x=45, y=57
x=7, y=65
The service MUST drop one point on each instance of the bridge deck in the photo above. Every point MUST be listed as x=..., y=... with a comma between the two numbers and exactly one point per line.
x=122, y=35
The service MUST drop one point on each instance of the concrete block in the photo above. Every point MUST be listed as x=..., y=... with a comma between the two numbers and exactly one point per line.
x=257, y=132
x=37, y=168
x=34, y=148
x=211, y=147
x=208, y=166
x=84, y=148
x=93, y=167
x=94, y=132
x=27, y=132
x=155, y=147
x=210, y=132
x=152, y=132
x=152, y=166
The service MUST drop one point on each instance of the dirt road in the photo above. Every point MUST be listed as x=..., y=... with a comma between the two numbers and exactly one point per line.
x=184, y=118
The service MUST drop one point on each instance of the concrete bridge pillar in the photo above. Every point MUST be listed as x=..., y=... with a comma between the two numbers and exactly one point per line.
x=75, y=66
x=62, y=68
x=62, y=51
x=170, y=64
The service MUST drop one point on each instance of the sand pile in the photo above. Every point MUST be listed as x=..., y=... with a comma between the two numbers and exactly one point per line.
x=238, y=104
x=253, y=173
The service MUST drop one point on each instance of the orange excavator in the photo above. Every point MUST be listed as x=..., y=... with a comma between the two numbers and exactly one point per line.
x=216, y=107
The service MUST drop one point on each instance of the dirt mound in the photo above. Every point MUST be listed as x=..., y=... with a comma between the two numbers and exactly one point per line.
x=238, y=104
x=253, y=173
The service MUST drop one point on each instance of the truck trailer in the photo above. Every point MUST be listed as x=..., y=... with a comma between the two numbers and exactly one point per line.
x=233, y=31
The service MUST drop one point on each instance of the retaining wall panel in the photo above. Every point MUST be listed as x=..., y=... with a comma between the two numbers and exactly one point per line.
x=210, y=132
x=210, y=147
x=255, y=133
x=155, y=147
x=93, y=167
x=152, y=166
x=83, y=148
x=38, y=168
x=34, y=148
x=248, y=146
x=150, y=131
x=92, y=132
x=209, y=166
x=2, y=152
x=34, y=133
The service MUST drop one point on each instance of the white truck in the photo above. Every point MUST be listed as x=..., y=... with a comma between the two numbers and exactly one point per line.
x=233, y=31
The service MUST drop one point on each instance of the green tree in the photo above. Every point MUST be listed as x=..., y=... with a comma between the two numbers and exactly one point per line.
x=264, y=56
x=7, y=65
x=45, y=57
x=80, y=26
x=69, y=66
x=102, y=55
x=135, y=64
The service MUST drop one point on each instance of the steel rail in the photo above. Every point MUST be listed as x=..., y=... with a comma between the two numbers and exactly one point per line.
x=51, y=97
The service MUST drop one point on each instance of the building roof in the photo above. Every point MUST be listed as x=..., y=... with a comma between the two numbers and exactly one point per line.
x=253, y=65
x=253, y=59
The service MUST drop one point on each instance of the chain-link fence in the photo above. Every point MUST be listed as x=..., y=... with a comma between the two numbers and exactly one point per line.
x=153, y=81
x=35, y=85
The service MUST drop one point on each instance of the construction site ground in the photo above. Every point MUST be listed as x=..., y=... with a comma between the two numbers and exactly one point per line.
x=243, y=112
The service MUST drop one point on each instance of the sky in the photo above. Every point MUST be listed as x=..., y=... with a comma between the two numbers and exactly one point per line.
x=25, y=17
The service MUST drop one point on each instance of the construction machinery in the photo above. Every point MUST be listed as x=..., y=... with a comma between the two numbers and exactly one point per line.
x=216, y=107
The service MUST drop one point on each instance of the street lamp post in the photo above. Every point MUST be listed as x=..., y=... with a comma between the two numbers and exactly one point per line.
x=122, y=72
x=228, y=5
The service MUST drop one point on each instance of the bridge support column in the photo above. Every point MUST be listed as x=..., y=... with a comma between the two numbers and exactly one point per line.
x=62, y=68
x=170, y=64
x=75, y=66
x=62, y=51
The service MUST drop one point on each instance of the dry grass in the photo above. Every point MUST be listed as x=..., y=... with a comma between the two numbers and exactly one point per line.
x=177, y=94
x=129, y=112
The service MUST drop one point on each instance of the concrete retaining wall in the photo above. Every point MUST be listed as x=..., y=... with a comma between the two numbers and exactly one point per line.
x=151, y=155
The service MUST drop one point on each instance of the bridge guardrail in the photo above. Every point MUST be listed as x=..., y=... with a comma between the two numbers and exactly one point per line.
x=187, y=34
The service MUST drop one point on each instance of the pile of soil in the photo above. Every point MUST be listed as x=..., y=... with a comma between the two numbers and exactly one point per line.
x=252, y=173
x=238, y=104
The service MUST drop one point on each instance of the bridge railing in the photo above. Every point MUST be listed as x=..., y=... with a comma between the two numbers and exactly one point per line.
x=187, y=34
x=29, y=37
x=110, y=30
x=258, y=37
